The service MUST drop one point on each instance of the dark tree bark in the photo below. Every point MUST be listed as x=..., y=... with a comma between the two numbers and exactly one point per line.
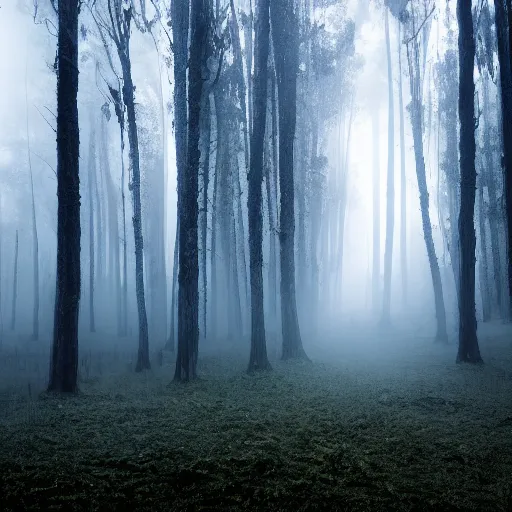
x=120, y=18
x=390, y=192
x=171, y=341
x=1, y=283
x=258, y=358
x=485, y=289
x=468, y=342
x=286, y=49
x=15, y=284
x=206, y=132
x=64, y=357
x=180, y=28
x=188, y=293
x=503, y=10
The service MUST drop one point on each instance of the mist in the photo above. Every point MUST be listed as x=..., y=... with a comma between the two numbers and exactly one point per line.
x=255, y=255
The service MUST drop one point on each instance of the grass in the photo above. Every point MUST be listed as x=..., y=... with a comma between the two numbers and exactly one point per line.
x=406, y=430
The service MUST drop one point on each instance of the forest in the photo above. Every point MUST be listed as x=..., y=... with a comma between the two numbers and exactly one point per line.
x=256, y=255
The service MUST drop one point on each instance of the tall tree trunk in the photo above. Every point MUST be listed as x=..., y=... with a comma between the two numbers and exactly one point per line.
x=180, y=30
x=133, y=139
x=114, y=253
x=390, y=196
x=248, y=29
x=171, y=341
x=503, y=10
x=92, y=172
x=468, y=342
x=416, y=121
x=376, y=213
x=64, y=358
x=286, y=49
x=188, y=293
x=213, y=255
x=1, y=283
x=125, y=244
x=35, y=238
x=485, y=289
x=14, y=284
x=258, y=359
x=206, y=131
x=119, y=110
x=494, y=216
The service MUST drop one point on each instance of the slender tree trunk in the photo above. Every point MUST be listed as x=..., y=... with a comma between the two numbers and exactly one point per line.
x=100, y=222
x=114, y=253
x=494, y=207
x=213, y=255
x=125, y=243
x=390, y=196
x=14, y=284
x=206, y=130
x=468, y=342
x=248, y=29
x=416, y=121
x=119, y=110
x=286, y=48
x=503, y=10
x=235, y=291
x=171, y=341
x=316, y=223
x=1, y=282
x=35, y=238
x=92, y=172
x=376, y=213
x=272, y=271
x=485, y=289
x=188, y=293
x=258, y=359
x=240, y=222
x=180, y=30
x=35, y=241
x=133, y=139
x=64, y=358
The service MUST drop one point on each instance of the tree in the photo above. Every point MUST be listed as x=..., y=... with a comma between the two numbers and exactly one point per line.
x=258, y=358
x=286, y=47
x=15, y=284
x=417, y=20
x=390, y=195
x=403, y=183
x=35, y=238
x=92, y=173
x=180, y=28
x=188, y=210
x=119, y=30
x=468, y=342
x=64, y=357
x=503, y=13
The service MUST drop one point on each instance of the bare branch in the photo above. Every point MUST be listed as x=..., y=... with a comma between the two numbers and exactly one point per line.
x=415, y=35
x=47, y=122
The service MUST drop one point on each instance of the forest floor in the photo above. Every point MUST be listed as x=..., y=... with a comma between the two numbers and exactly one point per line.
x=406, y=429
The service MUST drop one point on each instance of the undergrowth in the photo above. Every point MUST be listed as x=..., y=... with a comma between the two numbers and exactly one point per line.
x=413, y=435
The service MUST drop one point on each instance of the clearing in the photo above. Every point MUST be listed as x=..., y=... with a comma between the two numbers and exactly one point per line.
x=407, y=429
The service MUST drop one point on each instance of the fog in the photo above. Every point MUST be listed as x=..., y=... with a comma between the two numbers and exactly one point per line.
x=290, y=181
